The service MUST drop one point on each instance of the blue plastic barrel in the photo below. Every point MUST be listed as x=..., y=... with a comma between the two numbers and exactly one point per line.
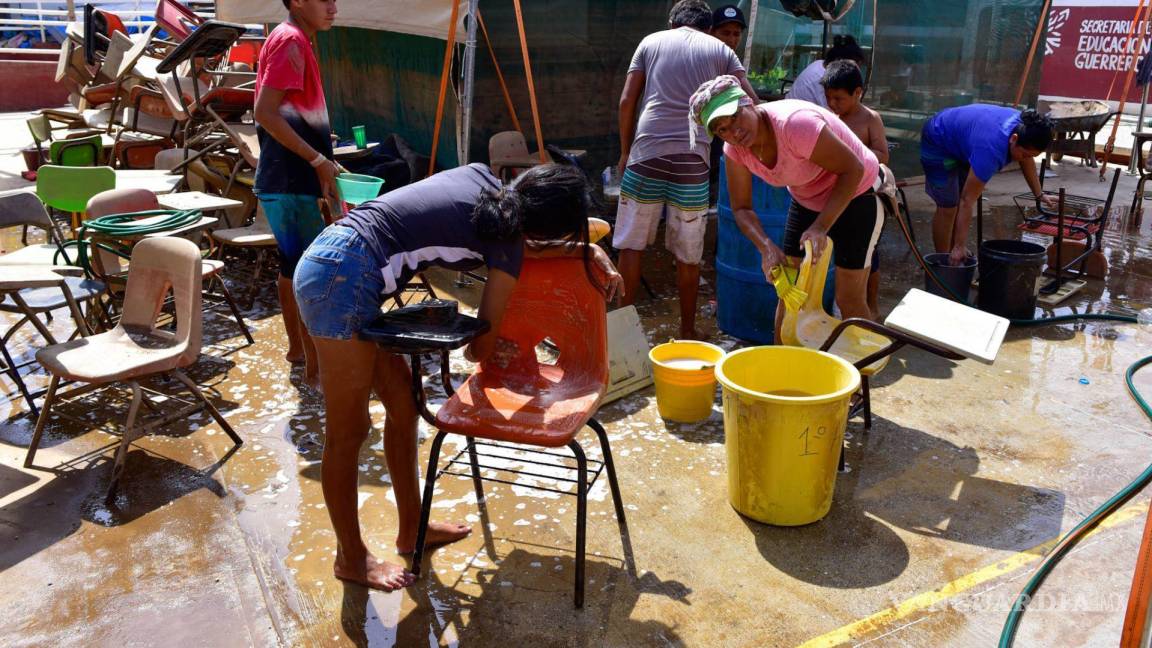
x=745, y=301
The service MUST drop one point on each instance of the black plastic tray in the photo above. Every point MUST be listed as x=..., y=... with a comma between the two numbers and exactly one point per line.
x=430, y=326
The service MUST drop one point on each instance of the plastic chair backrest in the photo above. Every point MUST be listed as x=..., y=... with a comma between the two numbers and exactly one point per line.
x=117, y=50
x=135, y=53
x=179, y=94
x=79, y=152
x=121, y=201
x=64, y=60
x=40, y=128
x=246, y=141
x=111, y=23
x=117, y=201
x=69, y=188
x=555, y=300
x=506, y=145
x=23, y=208
x=157, y=265
x=246, y=51
x=176, y=19
x=171, y=158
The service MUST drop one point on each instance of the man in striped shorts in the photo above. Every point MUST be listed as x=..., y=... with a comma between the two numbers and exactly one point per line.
x=663, y=155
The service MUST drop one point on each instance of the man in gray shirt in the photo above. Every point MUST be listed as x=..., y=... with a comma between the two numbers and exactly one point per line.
x=663, y=155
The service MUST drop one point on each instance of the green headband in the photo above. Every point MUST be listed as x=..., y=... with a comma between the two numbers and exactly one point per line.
x=722, y=105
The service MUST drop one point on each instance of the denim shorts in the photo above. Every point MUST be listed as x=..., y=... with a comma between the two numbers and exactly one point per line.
x=944, y=177
x=339, y=287
x=295, y=221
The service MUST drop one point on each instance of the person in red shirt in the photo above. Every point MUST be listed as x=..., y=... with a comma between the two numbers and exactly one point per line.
x=296, y=170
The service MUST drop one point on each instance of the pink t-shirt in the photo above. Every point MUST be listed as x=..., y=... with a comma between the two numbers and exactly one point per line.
x=798, y=125
x=288, y=63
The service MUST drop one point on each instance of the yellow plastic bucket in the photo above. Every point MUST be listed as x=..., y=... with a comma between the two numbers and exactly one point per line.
x=685, y=376
x=785, y=410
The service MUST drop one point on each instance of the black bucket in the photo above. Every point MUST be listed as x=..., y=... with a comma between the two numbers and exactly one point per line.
x=1008, y=274
x=957, y=278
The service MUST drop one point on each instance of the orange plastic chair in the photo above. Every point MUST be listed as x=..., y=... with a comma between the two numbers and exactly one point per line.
x=527, y=402
x=176, y=19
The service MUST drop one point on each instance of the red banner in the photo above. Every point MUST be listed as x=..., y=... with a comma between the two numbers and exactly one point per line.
x=1088, y=50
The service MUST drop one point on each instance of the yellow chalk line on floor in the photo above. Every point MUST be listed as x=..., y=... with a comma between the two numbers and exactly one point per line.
x=926, y=600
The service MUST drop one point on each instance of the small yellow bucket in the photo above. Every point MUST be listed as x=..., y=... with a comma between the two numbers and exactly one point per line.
x=785, y=410
x=685, y=375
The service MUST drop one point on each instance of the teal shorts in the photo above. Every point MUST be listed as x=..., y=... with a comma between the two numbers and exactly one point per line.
x=296, y=221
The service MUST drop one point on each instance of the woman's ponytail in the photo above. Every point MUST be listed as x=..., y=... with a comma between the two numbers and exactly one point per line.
x=499, y=215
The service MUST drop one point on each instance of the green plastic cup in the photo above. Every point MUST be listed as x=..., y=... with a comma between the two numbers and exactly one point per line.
x=361, y=136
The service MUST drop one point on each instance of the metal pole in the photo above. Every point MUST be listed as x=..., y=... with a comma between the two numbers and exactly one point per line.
x=872, y=54
x=40, y=16
x=465, y=138
x=1139, y=128
x=751, y=34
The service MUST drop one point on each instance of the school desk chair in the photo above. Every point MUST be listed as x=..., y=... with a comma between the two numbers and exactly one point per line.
x=521, y=403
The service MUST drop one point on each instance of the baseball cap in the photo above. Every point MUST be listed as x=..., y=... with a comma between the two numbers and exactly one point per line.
x=728, y=13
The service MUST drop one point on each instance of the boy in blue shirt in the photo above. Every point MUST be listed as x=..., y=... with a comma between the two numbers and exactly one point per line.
x=961, y=149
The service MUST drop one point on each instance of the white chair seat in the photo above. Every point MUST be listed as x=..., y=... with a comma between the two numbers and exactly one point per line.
x=245, y=237
x=42, y=254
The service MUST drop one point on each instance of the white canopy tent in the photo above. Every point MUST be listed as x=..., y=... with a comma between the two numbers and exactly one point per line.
x=403, y=16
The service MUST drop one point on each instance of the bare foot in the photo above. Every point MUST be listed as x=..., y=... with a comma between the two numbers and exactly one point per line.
x=439, y=533
x=373, y=573
x=693, y=335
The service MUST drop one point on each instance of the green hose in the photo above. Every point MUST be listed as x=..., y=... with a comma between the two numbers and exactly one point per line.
x=1070, y=539
x=123, y=226
x=1008, y=634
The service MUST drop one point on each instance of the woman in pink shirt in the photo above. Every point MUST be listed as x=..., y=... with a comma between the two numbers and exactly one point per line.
x=829, y=172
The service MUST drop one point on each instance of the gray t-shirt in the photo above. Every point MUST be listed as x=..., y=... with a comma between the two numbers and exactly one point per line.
x=675, y=62
x=807, y=86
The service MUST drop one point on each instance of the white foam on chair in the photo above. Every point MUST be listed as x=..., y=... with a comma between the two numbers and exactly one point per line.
x=952, y=325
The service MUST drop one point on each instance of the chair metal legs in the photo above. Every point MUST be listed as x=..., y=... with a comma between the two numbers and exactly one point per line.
x=581, y=518
x=606, y=450
x=130, y=427
x=474, y=460
x=41, y=421
x=13, y=371
x=581, y=499
x=215, y=413
x=426, y=502
x=125, y=441
x=224, y=292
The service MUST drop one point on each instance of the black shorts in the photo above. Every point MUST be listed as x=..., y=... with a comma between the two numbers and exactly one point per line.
x=855, y=233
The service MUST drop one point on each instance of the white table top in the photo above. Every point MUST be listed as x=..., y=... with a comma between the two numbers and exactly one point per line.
x=196, y=200
x=156, y=181
x=954, y=326
x=19, y=277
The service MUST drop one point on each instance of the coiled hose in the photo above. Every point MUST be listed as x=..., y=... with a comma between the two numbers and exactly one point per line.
x=123, y=226
x=1070, y=539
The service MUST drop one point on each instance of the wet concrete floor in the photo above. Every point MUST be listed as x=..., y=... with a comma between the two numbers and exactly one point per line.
x=967, y=470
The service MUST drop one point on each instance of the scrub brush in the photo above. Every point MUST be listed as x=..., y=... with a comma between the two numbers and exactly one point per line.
x=786, y=289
